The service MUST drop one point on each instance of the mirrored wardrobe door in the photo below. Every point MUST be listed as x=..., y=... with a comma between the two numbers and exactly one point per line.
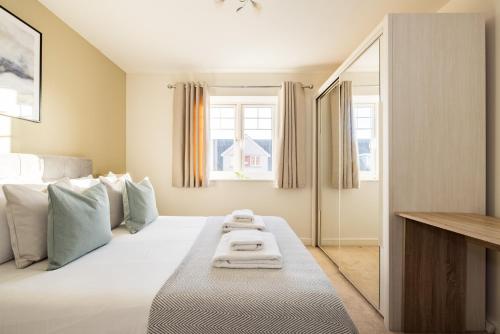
x=359, y=227
x=328, y=178
x=348, y=173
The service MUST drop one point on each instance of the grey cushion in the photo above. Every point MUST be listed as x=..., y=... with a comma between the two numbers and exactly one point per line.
x=78, y=223
x=139, y=204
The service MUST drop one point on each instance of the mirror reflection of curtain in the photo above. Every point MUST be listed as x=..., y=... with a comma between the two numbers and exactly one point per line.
x=336, y=139
x=344, y=164
x=350, y=168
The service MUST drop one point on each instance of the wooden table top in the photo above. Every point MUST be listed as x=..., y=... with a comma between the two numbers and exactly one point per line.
x=484, y=229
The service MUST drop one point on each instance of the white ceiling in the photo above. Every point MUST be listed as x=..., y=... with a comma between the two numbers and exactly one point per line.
x=158, y=36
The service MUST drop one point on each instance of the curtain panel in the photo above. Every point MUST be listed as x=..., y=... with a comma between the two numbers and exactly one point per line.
x=189, y=149
x=291, y=149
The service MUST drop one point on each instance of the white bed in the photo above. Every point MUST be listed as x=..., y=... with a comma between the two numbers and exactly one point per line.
x=109, y=290
x=121, y=287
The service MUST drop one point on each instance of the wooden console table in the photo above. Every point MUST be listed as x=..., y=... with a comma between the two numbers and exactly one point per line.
x=443, y=284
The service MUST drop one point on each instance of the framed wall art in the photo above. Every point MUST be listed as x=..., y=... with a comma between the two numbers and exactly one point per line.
x=20, y=68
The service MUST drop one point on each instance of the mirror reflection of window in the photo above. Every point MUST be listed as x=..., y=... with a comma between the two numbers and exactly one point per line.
x=365, y=122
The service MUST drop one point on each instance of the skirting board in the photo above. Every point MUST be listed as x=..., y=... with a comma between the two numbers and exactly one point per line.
x=306, y=241
x=350, y=242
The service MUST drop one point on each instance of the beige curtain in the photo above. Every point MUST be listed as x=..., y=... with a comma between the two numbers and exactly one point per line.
x=350, y=169
x=291, y=168
x=189, y=136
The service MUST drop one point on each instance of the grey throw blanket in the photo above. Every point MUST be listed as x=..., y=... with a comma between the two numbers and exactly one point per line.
x=298, y=298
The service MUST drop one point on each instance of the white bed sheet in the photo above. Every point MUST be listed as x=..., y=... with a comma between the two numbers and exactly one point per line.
x=109, y=290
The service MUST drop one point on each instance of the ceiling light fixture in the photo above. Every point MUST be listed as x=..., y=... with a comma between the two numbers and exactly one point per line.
x=244, y=3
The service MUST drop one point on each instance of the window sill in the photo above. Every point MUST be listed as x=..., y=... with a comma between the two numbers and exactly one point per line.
x=237, y=179
x=234, y=176
x=369, y=180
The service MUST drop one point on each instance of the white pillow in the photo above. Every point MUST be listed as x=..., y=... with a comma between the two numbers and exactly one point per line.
x=110, y=177
x=27, y=211
x=114, y=186
x=6, y=253
x=113, y=177
x=84, y=182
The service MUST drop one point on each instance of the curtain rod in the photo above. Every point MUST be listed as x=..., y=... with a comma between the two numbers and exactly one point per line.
x=245, y=86
x=337, y=83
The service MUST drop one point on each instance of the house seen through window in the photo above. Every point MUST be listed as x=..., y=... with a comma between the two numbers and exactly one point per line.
x=241, y=137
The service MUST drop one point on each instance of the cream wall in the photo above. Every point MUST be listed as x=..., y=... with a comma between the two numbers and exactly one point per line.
x=491, y=10
x=149, y=150
x=83, y=96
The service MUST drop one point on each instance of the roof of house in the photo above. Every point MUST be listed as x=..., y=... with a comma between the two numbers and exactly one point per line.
x=251, y=147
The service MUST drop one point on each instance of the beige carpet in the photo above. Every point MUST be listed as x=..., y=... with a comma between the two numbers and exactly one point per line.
x=366, y=318
x=360, y=264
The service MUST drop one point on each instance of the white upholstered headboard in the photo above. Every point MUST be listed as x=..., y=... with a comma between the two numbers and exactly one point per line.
x=48, y=167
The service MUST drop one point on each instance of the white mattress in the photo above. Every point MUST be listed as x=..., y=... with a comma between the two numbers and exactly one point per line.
x=109, y=290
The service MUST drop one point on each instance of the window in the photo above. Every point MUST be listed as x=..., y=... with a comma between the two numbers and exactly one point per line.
x=242, y=136
x=365, y=123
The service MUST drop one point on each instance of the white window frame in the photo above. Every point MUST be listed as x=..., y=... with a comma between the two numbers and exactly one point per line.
x=239, y=102
x=372, y=100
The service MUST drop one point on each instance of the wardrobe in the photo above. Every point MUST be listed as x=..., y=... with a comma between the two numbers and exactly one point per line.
x=418, y=118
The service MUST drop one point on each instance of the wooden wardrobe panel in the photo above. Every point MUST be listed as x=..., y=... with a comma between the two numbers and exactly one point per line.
x=438, y=113
x=475, y=308
x=435, y=280
x=437, y=139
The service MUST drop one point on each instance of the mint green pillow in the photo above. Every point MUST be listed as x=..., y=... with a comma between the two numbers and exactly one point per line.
x=78, y=223
x=139, y=204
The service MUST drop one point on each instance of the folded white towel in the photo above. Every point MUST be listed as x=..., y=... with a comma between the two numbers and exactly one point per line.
x=243, y=216
x=269, y=257
x=245, y=240
x=231, y=225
